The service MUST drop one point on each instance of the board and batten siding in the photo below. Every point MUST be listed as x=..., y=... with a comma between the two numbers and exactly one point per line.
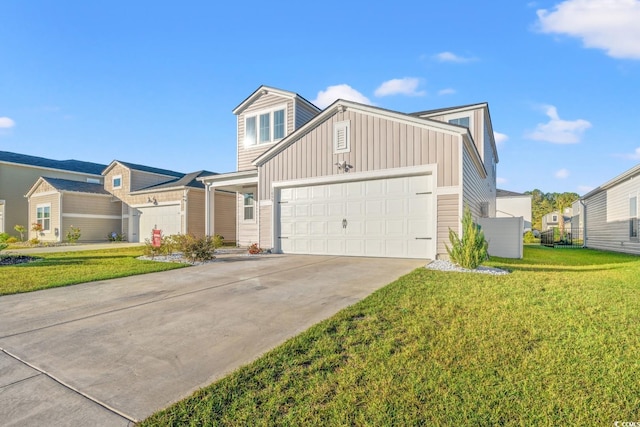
x=607, y=218
x=246, y=155
x=225, y=216
x=376, y=144
x=448, y=218
x=477, y=129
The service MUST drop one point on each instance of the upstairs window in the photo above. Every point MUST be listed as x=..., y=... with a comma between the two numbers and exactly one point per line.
x=264, y=127
x=554, y=218
x=633, y=218
x=461, y=121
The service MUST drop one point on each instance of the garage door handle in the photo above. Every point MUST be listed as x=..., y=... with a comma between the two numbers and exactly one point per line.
x=344, y=223
x=423, y=238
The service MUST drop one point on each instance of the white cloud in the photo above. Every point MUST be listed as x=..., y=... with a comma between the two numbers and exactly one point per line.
x=343, y=91
x=562, y=174
x=584, y=189
x=633, y=156
x=500, y=180
x=611, y=25
x=405, y=86
x=6, y=123
x=452, y=57
x=558, y=131
x=500, y=138
x=447, y=91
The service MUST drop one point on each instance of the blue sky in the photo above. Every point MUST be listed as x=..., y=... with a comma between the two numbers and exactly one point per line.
x=155, y=82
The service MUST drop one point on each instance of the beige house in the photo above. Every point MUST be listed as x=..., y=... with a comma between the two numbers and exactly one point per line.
x=133, y=200
x=19, y=172
x=355, y=179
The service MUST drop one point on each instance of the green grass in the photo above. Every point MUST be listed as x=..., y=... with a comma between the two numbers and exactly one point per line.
x=557, y=342
x=69, y=268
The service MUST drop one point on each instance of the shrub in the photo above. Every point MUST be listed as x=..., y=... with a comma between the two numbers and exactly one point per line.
x=36, y=226
x=3, y=246
x=254, y=249
x=73, y=235
x=529, y=237
x=12, y=240
x=4, y=237
x=116, y=237
x=198, y=248
x=20, y=229
x=34, y=241
x=470, y=250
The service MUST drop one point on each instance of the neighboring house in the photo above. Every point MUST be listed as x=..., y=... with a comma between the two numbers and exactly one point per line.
x=514, y=205
x=59, y=204
x=18, y=173
x=610, y=214
x=133, y=200
x=355, y=179
x=552, y=219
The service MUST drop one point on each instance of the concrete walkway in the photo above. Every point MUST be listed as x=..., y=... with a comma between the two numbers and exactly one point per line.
x=111, y=353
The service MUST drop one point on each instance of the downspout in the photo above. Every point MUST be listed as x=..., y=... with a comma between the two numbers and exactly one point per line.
x=186, y=211
x=584, y=223
x=207, y=210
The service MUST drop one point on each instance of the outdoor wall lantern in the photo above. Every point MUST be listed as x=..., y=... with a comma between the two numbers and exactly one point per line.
x=152, y=200
x=343, y=166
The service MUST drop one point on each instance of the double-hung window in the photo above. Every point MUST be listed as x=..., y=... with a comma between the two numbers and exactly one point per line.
x=633, y=218
x=43, y=217
x=249, y=206
x=264, y=127
x=462, y=121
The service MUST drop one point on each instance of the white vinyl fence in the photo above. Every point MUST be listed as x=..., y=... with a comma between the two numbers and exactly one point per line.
x=504, y=236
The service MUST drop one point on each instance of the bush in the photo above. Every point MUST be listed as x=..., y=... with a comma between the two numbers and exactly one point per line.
x=34, y=241
x=472, y=249
x=3, y=246
x=116, y=237
x=20, y=229
x=73, y=235
x=529, y=237
x=4, y=237
x=198, y=248
x=12, y=240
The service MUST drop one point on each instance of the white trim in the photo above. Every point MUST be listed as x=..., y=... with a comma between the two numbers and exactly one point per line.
x=256, y=114
x=76, y=215
x=44, y=205
x=151, y=205
x=113, y=179
x=359, y=176
x=45, y=193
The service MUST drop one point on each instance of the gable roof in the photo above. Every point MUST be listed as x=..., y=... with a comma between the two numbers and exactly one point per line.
x=438, y=111
x=628, y=174
x=143, y=168
x=41, y=162
x=69, y=185
x=263, y=90
x=342, y=104
x=189, y=180
x=507, y=193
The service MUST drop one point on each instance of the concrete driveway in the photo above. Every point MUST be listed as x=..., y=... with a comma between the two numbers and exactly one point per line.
x=114, y=352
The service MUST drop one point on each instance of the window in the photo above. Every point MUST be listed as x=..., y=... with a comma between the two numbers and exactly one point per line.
x=93, y=180
x=264, y=127
x=633, y=218
x=249, y=206
x=43, y=217
x=554, y=218
x=462, y=121
x=341, y=137
x=117, y=181
x=484, y=209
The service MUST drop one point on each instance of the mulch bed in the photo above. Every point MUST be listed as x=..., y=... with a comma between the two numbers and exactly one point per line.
x=15, y=259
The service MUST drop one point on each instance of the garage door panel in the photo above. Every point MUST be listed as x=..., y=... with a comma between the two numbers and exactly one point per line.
x=383, y=218
x=166, y=218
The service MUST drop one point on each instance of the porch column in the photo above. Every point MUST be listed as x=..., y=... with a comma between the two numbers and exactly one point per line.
x=210, y=207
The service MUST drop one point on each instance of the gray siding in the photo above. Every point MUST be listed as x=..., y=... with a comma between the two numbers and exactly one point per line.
x=476, y=190
x=607, y=218
x=91, y=229
x=376, y=143
x=303, y=114
x=145, y=179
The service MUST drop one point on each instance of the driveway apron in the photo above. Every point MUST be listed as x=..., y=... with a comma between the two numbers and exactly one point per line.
x=113, y=352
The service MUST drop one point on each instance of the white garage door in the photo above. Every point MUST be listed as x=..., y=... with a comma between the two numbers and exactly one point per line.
x=389, y=217
x=165, y=218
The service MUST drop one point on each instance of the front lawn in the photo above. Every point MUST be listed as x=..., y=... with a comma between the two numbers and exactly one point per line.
x=68, y=268
x=554, y=343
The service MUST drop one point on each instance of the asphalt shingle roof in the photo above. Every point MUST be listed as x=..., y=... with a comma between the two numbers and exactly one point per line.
x=66, y=165
x=77, y=186
x=149, y=169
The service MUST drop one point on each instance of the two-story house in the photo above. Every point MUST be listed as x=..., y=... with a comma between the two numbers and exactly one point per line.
x=18, y=172
x=355, y=179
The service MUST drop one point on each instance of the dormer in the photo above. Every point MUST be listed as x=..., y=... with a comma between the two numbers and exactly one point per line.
x=266, y=117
